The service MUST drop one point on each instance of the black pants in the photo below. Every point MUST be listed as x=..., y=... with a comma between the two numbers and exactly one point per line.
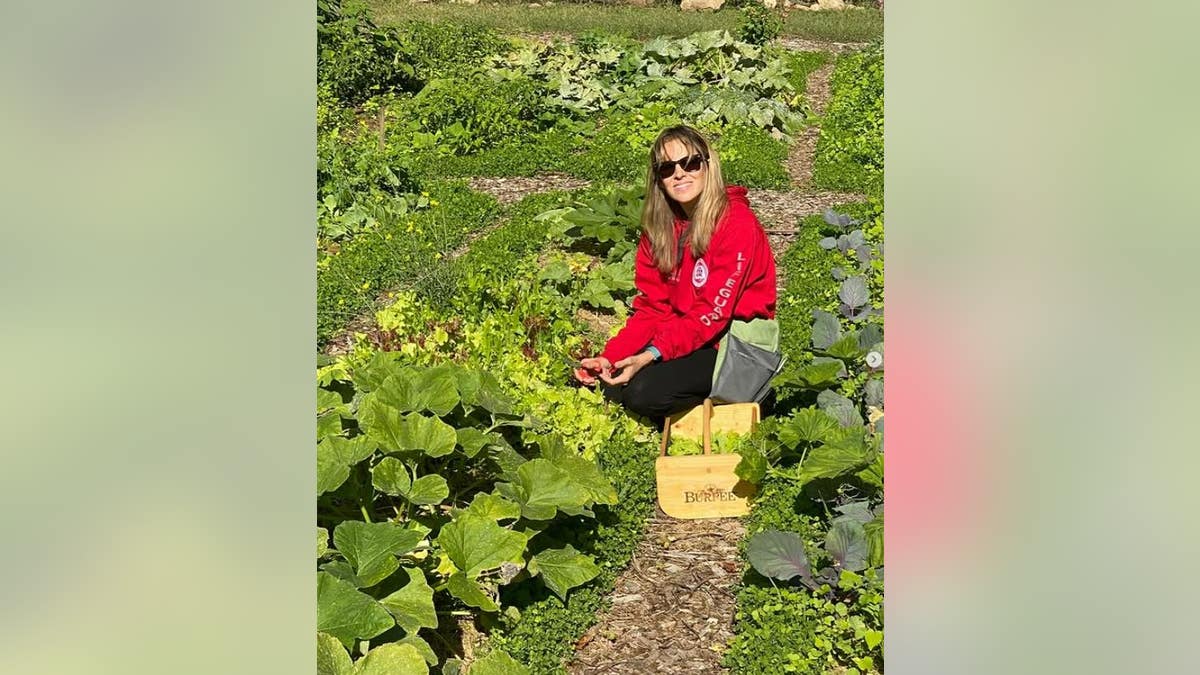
x=667, y=387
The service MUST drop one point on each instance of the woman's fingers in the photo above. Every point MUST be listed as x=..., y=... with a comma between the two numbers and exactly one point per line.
x=619, y=379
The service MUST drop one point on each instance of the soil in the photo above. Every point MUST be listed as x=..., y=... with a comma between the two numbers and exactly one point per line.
x=672, y=609
x=508, y=190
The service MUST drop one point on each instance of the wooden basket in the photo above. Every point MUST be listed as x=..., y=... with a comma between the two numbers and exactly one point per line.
x=704, y=486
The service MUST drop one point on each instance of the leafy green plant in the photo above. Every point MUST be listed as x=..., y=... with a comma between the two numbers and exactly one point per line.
x=465, y=115
x=781, y=555
x=723, y=443
x=850, y=148
x=752, y=157
x=355, y=57
x=758, y=25
x=401, y=252
x=608, y=223
x=791, y=630
x=448, y=48
x=361, y=184
x=710, y=73
x=427, y=469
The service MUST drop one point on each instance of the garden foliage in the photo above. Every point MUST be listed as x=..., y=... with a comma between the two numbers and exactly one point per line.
x=850, y=148
x=462, y=475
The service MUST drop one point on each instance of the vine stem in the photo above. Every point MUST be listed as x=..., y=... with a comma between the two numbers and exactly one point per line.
x=363, y=508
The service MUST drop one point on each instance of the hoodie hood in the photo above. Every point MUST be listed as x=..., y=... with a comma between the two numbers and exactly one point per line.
x=736, y=194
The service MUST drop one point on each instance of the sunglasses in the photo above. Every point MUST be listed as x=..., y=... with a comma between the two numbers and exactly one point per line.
x=689, y=164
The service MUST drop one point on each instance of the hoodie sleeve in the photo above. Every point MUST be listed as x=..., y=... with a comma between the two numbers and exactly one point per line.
x=730, y=257
x=650, y=307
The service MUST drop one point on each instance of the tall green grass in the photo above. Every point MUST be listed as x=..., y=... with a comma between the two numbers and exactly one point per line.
x=852, y=25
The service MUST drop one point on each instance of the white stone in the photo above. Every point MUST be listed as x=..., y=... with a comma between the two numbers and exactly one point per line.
x=695, y=5
x=770, y=4
x=831, y=4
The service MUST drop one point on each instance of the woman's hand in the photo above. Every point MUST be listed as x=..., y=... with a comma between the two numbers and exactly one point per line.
x=628, y=367
x=598, y=364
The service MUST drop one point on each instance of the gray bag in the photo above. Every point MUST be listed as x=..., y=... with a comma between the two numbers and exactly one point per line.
x=747, y=359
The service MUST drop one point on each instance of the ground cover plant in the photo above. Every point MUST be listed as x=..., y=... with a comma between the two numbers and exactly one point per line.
x=850, y=149
x=811, y=598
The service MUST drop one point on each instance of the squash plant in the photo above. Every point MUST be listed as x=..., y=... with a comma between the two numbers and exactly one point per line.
x=434, y=500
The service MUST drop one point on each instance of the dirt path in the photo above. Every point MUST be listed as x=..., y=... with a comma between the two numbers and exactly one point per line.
x=673, y=607
x=800, y=156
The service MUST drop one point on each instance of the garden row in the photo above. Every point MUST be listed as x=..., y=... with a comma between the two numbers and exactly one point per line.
x=812, y=597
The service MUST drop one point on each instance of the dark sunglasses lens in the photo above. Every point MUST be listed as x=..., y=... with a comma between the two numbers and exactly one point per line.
x=693, y=163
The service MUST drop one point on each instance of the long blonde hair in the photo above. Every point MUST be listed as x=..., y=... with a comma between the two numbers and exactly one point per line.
x=660, y=211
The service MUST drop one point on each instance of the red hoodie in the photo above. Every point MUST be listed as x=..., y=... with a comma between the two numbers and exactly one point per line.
x=682, y=312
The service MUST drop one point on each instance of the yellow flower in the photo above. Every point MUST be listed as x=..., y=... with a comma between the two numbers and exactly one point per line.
x=388, y=237
x=433, y=202
x=424, y=194
x=438, y=256
x=366, y=284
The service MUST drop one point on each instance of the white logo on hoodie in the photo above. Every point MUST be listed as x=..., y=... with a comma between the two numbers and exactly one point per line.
x=699, y=274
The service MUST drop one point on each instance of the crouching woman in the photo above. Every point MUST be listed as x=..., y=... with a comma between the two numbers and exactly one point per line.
x=703, y=260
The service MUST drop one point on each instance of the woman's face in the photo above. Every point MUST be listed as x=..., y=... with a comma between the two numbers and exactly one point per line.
x=682, y=186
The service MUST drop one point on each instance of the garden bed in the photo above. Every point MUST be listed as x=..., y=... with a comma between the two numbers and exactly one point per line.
x=477, y=508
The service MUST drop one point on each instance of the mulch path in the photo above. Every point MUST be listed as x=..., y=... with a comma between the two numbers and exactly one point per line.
x=508, y=190
x=672, y=609
x=800, y=44
x=800, y=155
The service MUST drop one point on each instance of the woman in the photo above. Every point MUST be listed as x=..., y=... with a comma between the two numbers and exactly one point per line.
x=703, y=260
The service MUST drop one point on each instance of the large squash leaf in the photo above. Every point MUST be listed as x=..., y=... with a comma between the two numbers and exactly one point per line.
x=372, y=547
x=413, y=605
x=563, y=569
x=475, y=543
x=431, y=390
x=497, y=663
x=347, y=613
x=464, y=588
x=392, y=659
x=397, y=432
x=335, y=456
x=542, y=488
x=332, y=658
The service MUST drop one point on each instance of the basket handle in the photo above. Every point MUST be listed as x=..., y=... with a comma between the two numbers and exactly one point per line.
x=708, y=413
x=666, y=437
